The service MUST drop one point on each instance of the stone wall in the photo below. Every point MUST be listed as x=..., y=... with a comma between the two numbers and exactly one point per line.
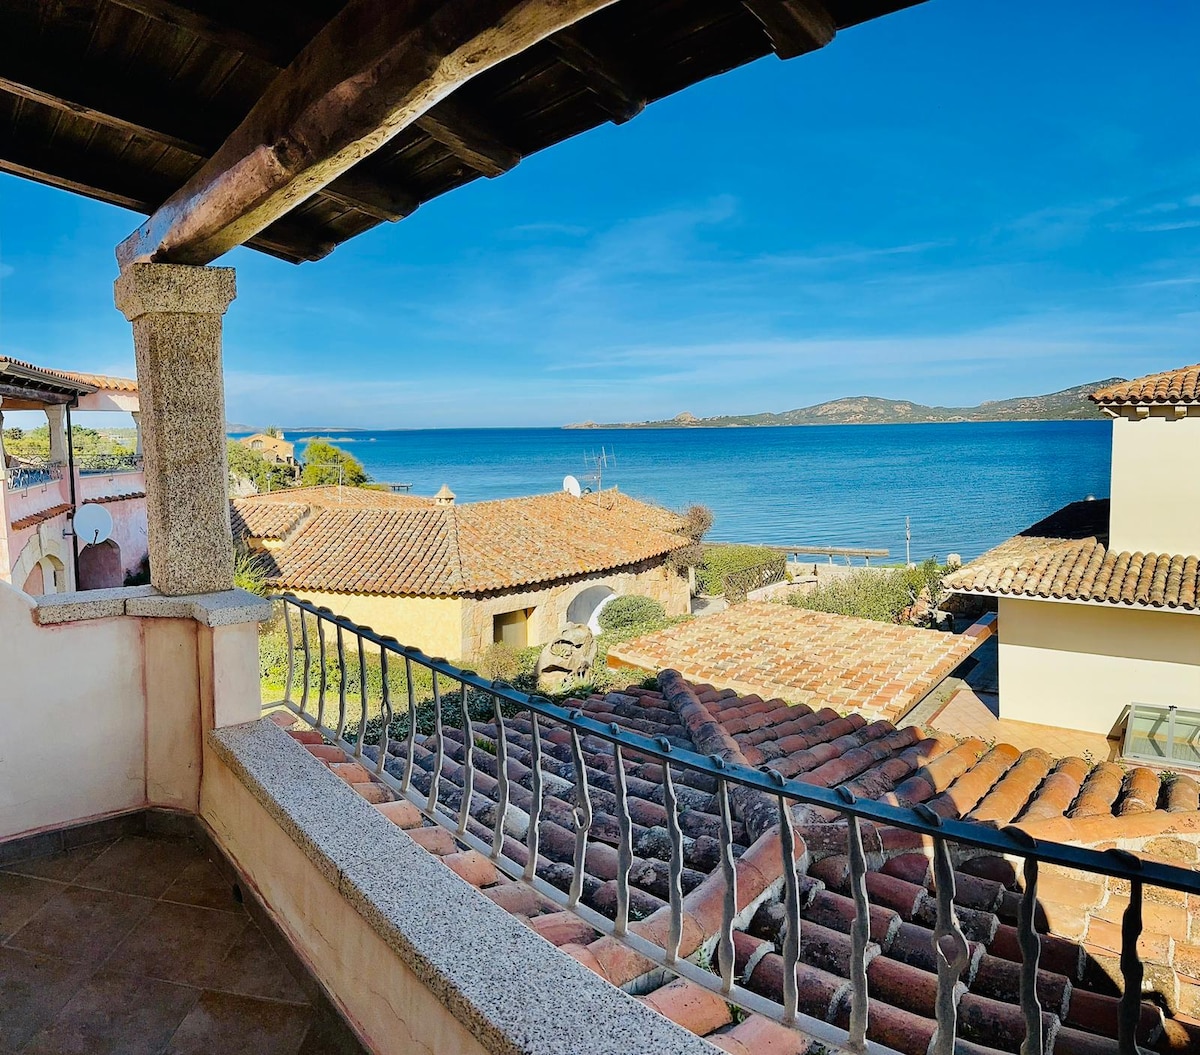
x=550, y=603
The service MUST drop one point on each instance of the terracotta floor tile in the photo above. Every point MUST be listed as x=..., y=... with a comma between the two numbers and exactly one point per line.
x=33, y=990
x=179, y=943
x=225, y=1024
x=251, y=968
x=117, y=1014
x=61, y=867
x=202, y=884
x=139, y=865
x=20, y=898
x=80, y=925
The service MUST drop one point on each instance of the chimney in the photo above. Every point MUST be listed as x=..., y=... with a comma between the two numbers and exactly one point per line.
x=445, y=497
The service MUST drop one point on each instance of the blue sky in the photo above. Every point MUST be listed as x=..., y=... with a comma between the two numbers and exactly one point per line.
x=963, y=201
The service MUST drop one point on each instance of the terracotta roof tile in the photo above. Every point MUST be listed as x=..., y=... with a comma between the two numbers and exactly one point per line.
x=100, y=382
x=34, y=519
x=265, y=520
x=808, y=657
x=1001, y=785
x=1173, y=386
x=362, y=541
x=1065, y=557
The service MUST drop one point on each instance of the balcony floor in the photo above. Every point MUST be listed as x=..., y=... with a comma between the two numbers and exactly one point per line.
x=137, y=945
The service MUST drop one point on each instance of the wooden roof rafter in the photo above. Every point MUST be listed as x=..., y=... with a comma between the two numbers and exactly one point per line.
x=128, y=101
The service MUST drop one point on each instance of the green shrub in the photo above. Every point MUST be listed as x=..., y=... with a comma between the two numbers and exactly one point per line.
x=623, y=613
x=879, y=595
x=720, y=561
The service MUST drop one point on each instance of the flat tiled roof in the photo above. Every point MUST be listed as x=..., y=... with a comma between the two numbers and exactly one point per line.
x=1063, y=799
x=1066, y=557
x=805, y=657
x=1172, y=386
x=356, y=540
x=98, y=382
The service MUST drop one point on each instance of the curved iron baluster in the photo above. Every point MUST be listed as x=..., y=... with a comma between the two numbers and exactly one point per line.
x=1129, y=1010
x=501, y=779
x=625, y=846
x=535, y=807
x=341, y=655
x=291, y=673
x=307, y=663
x=385, y=711
x=1031, y=952
x=324, y=672
x=411, y=742
x=583, y=819
x=860, y=935
x=468, y=764
x=439, y=755
x=725, y=954
x=362, y=698
x=675, y=876
x=791, y=905
x=950, y=947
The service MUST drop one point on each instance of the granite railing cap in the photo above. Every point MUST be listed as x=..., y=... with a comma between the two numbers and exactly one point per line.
x=416, y=904
x=227, y=608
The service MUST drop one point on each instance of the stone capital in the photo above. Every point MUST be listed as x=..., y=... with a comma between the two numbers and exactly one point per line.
x=174, y=289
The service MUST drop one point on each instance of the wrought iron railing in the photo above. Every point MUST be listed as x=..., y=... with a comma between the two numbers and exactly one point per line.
x=321, y=637
x=24, y=477
x=740, y=583
x=108, y=464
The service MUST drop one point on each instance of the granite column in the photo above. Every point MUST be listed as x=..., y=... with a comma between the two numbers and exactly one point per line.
x=176, y=312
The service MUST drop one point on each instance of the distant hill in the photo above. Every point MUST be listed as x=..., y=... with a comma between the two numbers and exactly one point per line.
x=1068, y=405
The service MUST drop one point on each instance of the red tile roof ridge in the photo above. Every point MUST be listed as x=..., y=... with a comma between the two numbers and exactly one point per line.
x=1169, y=386
x=33, y=519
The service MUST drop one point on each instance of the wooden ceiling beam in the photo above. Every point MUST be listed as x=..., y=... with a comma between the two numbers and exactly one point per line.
x=794, y=27
x=450, y=124
x=372, y=196
x=613, y=85
x=97, y=98
x=273, y=34
x=454, y=128
x=368, y=75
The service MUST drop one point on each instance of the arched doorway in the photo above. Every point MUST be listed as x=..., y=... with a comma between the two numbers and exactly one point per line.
x=35, y=584
x=100, y=566
x=586, y=605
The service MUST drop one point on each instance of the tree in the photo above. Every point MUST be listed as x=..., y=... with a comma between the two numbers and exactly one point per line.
x=694, y=524
x=273, y=432
x=326, y=464
x=245, y=464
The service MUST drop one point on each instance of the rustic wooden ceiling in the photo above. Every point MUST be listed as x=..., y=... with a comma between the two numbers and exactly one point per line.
x=123, y=100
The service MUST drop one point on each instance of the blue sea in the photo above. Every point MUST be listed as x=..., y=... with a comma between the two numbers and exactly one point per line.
x=964, y=487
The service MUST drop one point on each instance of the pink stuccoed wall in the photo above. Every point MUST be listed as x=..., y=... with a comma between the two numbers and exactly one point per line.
x=104, y=715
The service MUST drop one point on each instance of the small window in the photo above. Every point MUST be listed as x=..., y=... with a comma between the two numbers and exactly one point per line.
x=256, y=445
x=512, y=628
x=1166, y=735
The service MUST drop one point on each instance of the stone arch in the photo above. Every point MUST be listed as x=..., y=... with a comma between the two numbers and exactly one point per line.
x=100, y=566
x=585, y=606
x=27, y=561
x=54, y=579
x=44, y=552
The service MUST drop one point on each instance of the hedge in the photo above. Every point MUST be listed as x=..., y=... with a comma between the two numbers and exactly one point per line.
x=720, y=561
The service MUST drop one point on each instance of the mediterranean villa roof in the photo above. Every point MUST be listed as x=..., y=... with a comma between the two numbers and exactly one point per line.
x=1066, y=558
x=358, y=540
x=1065, y=799
x=1172, y=387
x=80, y=382
x=807, y=657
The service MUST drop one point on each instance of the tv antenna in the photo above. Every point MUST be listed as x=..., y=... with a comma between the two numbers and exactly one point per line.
x=599, y=465
x=571, y=486
x=92, y=524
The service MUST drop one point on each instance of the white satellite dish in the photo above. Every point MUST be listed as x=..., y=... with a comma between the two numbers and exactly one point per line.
x=93, y=524
x=571, y=486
